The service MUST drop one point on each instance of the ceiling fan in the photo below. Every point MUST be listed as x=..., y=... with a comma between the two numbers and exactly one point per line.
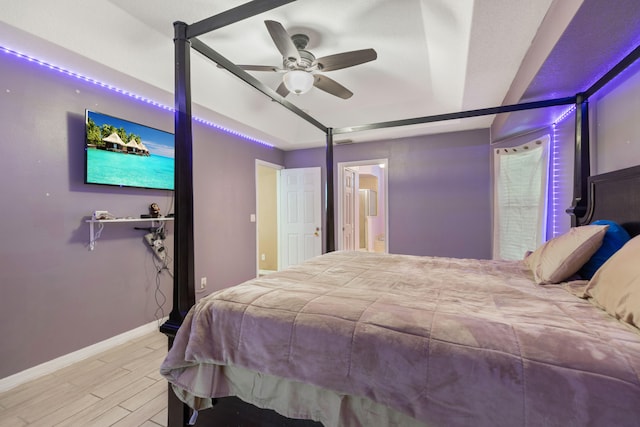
x=302, y=69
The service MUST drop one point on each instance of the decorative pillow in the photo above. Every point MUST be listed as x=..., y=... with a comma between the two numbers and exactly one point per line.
x=615, y=238
x=561, y=257
x=616, y=285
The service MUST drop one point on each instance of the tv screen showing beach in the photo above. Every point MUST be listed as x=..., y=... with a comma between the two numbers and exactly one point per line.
x=127, y=154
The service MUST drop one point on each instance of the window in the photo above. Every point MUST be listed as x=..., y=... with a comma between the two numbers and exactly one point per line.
x=520, y=198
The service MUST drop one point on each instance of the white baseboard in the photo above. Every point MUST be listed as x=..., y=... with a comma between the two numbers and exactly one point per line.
x=265, y=272
x=51, y=366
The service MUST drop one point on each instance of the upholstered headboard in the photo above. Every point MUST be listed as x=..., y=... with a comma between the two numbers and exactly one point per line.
x=615, y=196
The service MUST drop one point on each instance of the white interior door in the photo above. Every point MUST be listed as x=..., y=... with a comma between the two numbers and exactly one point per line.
x=348, y=210
x=301, y=215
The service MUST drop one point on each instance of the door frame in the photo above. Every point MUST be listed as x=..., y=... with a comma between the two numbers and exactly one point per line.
x=355, y=233
x=278, y=168
x=385, y=186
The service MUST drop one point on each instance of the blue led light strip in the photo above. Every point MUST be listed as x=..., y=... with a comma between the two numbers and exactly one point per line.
x=127, y=93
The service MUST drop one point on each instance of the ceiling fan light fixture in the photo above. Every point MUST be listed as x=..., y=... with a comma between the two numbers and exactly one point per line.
x=298, y=81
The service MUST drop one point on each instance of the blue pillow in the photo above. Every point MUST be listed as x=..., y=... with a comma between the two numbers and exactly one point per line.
x=615, y=238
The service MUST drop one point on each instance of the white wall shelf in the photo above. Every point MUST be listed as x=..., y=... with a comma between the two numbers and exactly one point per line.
x=92, y=222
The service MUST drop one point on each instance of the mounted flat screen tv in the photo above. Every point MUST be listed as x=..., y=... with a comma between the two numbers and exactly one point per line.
x=127, y=154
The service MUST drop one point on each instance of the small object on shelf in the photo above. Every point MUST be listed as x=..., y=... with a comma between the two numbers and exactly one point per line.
x=103, y=215
x=154, y=210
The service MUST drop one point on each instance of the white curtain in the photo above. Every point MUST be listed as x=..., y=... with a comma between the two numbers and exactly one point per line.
x=520, y=198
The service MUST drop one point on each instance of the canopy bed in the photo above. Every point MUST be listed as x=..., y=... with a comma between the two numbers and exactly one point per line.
x=410, y=347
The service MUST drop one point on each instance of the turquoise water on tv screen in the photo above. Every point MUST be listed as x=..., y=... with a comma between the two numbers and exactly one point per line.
x=108, y=167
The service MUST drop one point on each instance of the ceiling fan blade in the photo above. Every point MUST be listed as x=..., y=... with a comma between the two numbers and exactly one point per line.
x=258, y=68
x=282, y=90
x=283, y=41
x=331, y=86
x=346, y=59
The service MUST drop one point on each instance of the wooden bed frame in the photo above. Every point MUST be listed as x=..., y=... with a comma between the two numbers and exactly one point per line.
x=617, y=193
x=616, y=196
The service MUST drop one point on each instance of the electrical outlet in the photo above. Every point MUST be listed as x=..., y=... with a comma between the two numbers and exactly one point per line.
x=263, y=257
x=203, y=282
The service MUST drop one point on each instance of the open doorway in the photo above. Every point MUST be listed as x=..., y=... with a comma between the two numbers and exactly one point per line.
x=362, y=206
x=267, y=184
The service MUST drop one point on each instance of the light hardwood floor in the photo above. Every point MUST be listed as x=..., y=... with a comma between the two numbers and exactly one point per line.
x=121, y=387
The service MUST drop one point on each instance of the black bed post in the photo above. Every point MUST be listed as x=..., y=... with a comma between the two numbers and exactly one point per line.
x=183, y=264
x=183, y=275
x=581, y=167
x=330, y=233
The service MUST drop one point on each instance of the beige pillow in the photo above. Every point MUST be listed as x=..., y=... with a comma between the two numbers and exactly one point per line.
x=561, y=257
x=616, y=285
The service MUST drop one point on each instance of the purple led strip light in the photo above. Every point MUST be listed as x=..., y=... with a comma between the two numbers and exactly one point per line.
x=127, y=93
x=556, y=168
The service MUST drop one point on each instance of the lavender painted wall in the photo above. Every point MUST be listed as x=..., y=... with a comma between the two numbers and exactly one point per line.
x=224, y=199
x=616, y=113
x=439, y=190
x=57, y=296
